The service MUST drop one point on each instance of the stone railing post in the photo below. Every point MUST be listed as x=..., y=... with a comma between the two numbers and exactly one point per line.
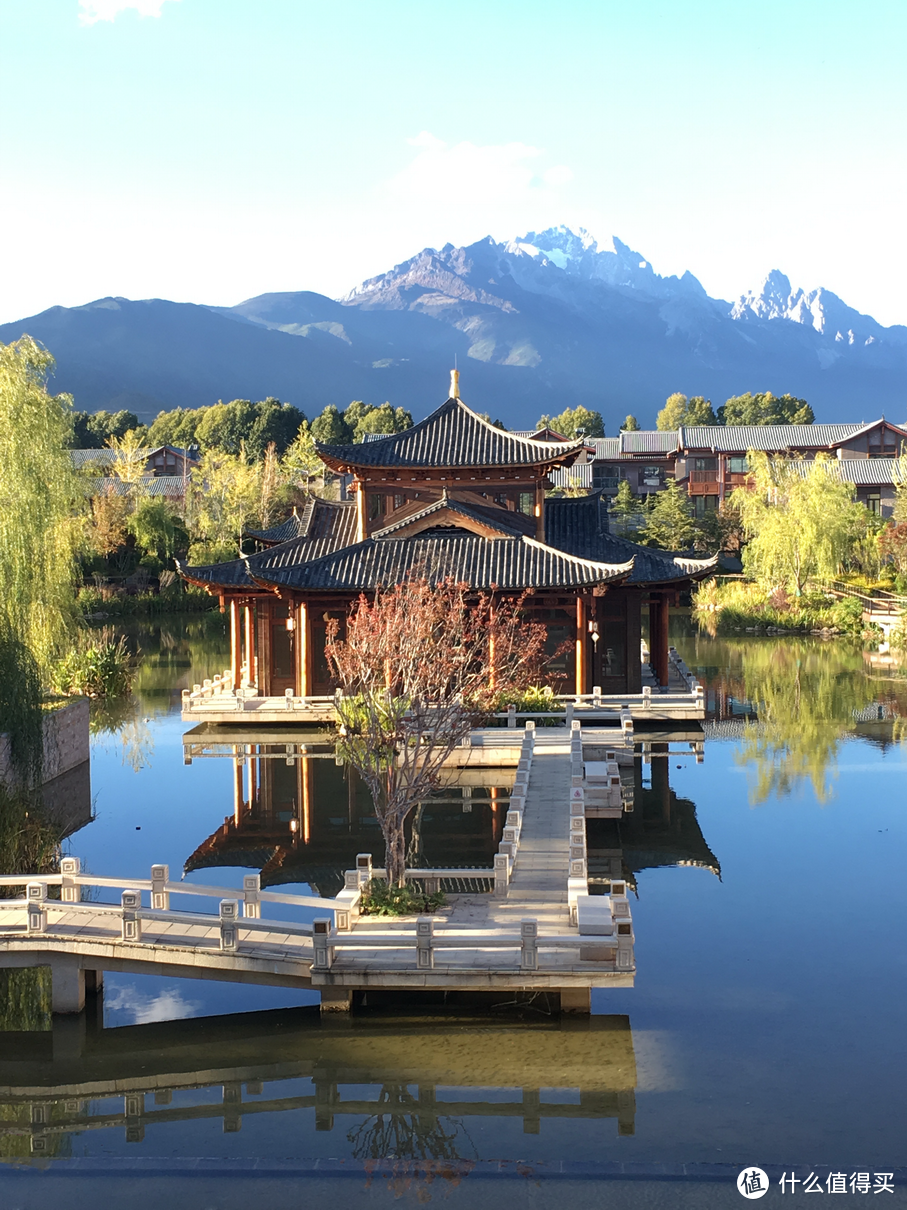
x=511, y=716
x=70, y=891
x=364, y=866
x=501, y=873
x=229, y=926
x=131, y=922
x=323, y=958
x=36, y=897
x=160, y=896
x=425, y=954
x=529, y=945
x=251, y=896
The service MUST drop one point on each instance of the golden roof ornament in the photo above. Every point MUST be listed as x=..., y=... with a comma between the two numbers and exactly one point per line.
x=455, y=384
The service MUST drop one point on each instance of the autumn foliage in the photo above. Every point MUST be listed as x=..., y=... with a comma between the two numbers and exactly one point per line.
x=417, y=666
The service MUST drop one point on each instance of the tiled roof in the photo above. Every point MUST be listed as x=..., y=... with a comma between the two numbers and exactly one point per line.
x=453, y=436
x=580, y=526
x=331, y=526
x=738, y=438
x=648, y=441
x=147, y=485
x=494, y=518
x=107, y=457
x=315, y=518
x=505, y=563
x=606, y=447
x=863, y=472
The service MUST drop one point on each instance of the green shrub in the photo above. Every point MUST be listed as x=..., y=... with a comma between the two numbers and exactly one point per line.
x=173, y=599
x=379, y=899
x=97, y=667
x=541, y=698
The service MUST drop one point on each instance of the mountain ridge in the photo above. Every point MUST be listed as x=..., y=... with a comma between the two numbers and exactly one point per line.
x=540, y=322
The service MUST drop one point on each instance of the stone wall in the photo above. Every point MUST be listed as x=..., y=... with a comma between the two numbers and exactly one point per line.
x=66, y=740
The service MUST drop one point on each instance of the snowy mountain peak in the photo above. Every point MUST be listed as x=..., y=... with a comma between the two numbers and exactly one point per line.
x=818, y=309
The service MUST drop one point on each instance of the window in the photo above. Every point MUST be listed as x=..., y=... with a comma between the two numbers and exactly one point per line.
x=705, y=464
x=737, y=466
x=375, y=502
x=874, y=502
x=527, y=503
x=704, y=504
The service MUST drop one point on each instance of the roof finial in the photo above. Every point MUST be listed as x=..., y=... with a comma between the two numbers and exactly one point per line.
x=455, y=384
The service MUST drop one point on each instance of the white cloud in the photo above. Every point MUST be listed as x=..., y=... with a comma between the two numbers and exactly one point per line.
x=92, y=11
x=464, y=173
x=169, y=1005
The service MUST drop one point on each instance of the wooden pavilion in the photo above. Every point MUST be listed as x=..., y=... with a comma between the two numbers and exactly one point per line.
x=452, y=496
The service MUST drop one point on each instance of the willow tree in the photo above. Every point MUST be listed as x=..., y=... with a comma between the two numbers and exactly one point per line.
x=799, y=519
x=40, y=503
x=417, y=665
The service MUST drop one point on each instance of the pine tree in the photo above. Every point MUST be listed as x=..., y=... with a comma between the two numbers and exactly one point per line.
x=670, y=522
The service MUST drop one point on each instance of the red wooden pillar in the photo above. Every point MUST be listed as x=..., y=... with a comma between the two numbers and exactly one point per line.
x=581, y=640
x=658, y=639
x=235, y=644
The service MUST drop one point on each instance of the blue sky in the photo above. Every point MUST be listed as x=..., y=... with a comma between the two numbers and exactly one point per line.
x=209, y=150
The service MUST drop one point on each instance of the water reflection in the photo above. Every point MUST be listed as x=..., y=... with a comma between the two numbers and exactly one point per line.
x=298, y=816
x=657, y=829
x=406, y=1088
x=791, y=702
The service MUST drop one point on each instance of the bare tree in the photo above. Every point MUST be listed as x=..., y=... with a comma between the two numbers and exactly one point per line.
x=418, y=664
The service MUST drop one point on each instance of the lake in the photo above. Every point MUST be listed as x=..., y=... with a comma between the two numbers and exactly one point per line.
x=766, y=1025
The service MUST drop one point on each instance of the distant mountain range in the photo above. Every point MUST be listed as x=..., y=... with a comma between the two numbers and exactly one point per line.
x=544, y=322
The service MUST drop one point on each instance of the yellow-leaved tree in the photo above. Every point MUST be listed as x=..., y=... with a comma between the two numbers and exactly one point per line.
x=799, y=519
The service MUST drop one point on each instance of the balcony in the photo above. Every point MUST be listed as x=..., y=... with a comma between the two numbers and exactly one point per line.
x=703, y=476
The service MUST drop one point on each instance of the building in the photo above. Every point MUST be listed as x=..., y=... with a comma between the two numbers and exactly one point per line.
x=452, y=496
x=710, y=460
x=165, y=474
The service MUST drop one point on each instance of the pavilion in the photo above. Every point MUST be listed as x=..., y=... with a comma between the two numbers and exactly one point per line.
x=453, y=496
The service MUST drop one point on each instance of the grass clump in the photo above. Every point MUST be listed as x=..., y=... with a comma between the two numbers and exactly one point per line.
x=98, y=666
x=540, y=698
x=380, y=899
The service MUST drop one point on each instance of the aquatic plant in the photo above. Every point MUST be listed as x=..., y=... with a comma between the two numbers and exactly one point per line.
x=99, y=665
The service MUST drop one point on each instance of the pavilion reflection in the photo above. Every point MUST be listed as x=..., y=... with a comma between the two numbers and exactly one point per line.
x=299, y=817
x=401, y=1086
x=657, y=829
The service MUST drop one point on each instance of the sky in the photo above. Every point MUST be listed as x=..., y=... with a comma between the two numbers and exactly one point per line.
x=212, y=150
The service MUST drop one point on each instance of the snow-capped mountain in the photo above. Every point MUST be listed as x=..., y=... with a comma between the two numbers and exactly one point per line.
x=540, y=322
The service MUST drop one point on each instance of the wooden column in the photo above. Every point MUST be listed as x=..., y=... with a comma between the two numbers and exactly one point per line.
x=237, y=791
x=580, y=645
x=306, y=798
x=235, y=643
x=303, y=646
x=658, y=638
x=250, y=646
x=360, y=512
x=540, y=511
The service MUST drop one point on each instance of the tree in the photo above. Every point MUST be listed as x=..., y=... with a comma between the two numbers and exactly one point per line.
x=799, y=520
x=893, y=545
x=899, y=512
x=765, y=409
x=226, y=426
x=671, y=415
x=575, y=422
x=177, y=428
x=416, y=665
x=331, y=428
x=41, y=503
x=276, y=424
x=624, y=503
x=301, y=462
x=92, y=430
x=154, y=527
x=131, y=458
x=630, y=425
x=223, y=498
x=679, y=410
x=699, y=411
x=670, y=523
x=383, y=419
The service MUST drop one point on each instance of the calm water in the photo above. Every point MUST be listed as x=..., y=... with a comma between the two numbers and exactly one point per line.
x=767, y=1021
